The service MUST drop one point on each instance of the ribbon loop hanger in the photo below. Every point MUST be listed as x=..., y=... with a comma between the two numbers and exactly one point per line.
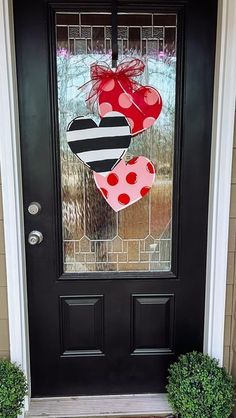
x=114, y=34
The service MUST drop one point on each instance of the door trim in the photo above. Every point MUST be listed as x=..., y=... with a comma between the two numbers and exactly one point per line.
x=219, y=198
x=10, y=163
x=220, y=184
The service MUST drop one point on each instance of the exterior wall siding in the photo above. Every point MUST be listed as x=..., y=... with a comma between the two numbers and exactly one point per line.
x=4, y=334
x=230, y=311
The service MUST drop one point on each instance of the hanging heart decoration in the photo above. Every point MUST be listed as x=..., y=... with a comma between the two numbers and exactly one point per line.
x=141, y=107
x=116, y=90
x=99, y=147
x=126, y=183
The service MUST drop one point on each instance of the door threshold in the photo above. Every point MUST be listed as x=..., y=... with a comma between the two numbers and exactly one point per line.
x=145, y=405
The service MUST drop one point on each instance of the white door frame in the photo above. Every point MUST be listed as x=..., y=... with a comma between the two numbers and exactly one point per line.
x=222, y=146
x=220, y=178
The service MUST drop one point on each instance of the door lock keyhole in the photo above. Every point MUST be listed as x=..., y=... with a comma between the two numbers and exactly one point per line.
x=35, y=237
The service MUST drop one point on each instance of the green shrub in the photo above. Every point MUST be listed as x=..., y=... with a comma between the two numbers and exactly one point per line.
x=13, y=388
x=199, y=388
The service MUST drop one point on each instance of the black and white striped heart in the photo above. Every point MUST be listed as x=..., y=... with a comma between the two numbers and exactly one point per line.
x=99, y=147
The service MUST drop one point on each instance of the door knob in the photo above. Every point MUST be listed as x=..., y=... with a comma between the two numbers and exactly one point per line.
x=35, y=237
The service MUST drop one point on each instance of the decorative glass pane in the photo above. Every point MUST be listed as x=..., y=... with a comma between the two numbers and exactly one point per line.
x=125, y=46
x=80, y=46
x=146, y=33
x=89, y=46
x=158, y=33
x=139, y=237
x=153, y=48
x=108, y=45
x=72, y=46
x=62, y=37
x=134, y=39
x=120, y=47
x=74, y=32
x=170, y=40
x=95, y=19
x=164, y=20
x=122, y=33
x=108, y=32
x=144, y=47
x=67, y=19
x=126, y=19
x=86, y=32
x=98, y=40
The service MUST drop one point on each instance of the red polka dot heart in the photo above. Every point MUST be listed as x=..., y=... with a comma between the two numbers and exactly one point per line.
x=126, y=183
x=141, y=107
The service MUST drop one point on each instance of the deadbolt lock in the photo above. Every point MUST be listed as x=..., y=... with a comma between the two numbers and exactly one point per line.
x=34, y=208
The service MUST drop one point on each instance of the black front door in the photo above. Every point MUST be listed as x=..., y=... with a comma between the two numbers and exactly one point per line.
x=114, y=297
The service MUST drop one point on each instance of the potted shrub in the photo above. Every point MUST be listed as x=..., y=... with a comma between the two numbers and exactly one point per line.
x=199, y=388
x=13, y=388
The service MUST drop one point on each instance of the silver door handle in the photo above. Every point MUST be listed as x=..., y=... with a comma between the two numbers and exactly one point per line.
x=35, y=237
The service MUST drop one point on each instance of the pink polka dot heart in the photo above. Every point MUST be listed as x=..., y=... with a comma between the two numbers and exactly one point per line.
x=141, y=107
x=126, y=183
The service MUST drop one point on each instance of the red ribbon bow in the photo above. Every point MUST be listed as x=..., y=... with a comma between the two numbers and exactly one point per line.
x=101, y=74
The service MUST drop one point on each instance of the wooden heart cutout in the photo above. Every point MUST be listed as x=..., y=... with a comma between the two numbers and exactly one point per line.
x=99, y=147
x=141, y=107
x=126, y=183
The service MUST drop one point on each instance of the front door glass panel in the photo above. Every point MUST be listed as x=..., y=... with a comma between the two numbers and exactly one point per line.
x=95, y=238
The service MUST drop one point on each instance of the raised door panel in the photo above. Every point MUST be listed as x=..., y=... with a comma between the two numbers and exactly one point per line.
x=82, y=325
x=152, y=323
